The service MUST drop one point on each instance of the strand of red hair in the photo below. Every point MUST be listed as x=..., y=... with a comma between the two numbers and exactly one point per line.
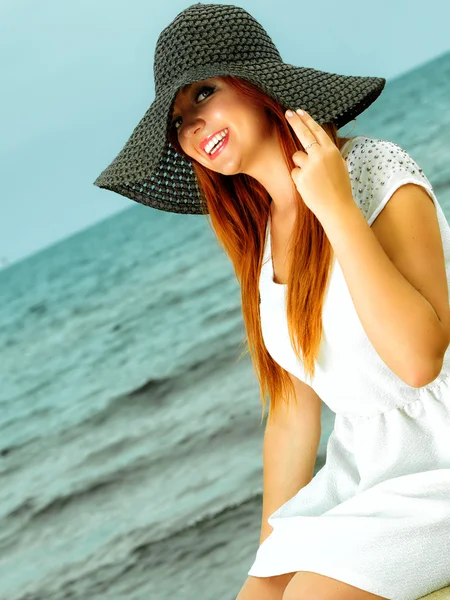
x=238, y=208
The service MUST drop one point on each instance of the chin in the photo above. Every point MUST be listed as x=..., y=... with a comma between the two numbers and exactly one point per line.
x=229, y=170
x=232, y=167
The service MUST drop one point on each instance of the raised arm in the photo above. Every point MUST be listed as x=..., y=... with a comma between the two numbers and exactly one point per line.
x=290, y=446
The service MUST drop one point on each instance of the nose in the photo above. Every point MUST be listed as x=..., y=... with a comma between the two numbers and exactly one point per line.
x=191, y=125
x=192, y=131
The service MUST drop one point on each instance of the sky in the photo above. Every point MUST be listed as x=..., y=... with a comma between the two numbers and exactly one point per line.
x=77, y=77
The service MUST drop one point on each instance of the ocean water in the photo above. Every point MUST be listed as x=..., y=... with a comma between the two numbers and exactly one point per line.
x=130, y=443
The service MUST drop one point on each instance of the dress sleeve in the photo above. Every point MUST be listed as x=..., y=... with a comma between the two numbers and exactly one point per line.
x=381, y=168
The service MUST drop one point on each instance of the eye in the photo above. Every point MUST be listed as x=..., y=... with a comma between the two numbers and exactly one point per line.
x=201, y=90
x=205, y=87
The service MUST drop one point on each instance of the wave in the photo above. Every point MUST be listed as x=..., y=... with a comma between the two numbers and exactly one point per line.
x=157, y=392
x=205, y=522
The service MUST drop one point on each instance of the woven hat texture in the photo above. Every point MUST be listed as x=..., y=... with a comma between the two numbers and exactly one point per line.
x=212, y=40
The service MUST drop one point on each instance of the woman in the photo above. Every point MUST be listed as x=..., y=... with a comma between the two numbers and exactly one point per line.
x=342, y=253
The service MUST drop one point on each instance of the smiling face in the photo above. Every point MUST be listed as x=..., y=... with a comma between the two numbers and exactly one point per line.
x=210, y=107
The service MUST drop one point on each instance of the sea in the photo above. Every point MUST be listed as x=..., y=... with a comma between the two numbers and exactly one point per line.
x=130, y=433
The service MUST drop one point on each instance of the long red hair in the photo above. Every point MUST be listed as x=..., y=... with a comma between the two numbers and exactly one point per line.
x=238, y=209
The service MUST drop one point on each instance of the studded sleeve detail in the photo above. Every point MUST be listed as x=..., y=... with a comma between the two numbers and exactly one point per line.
x=377, y=169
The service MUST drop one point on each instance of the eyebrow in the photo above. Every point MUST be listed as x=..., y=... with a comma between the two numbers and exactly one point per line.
x=185, y=88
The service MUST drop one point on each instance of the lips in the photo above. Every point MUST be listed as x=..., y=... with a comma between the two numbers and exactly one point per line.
x=209, y=138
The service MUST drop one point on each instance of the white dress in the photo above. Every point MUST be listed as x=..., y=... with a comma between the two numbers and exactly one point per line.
x=377, y=514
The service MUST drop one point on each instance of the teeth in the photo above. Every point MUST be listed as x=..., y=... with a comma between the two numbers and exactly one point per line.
x=210, y=145
x=216, y=147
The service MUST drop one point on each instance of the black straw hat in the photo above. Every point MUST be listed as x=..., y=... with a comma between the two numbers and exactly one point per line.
x=212, y=40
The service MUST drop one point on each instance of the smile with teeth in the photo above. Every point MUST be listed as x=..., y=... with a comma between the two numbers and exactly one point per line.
x=216, y=142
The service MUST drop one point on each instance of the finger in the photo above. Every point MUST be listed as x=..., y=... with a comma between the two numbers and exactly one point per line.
x=299, y=158
x=295, y=175
x=318, y=131
x=302, y=131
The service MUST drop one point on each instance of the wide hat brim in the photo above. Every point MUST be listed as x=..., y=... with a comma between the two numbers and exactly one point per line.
x=150, y=171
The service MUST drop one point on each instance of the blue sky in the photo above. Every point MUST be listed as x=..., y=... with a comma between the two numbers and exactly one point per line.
x=77, y=77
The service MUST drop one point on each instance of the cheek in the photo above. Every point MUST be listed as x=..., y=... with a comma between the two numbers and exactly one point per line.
x=261, y=126
x=189, y=150
x=251, y=128
x=185, y=145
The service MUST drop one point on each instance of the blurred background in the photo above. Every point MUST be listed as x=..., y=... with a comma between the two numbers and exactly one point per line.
x=130, y=436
